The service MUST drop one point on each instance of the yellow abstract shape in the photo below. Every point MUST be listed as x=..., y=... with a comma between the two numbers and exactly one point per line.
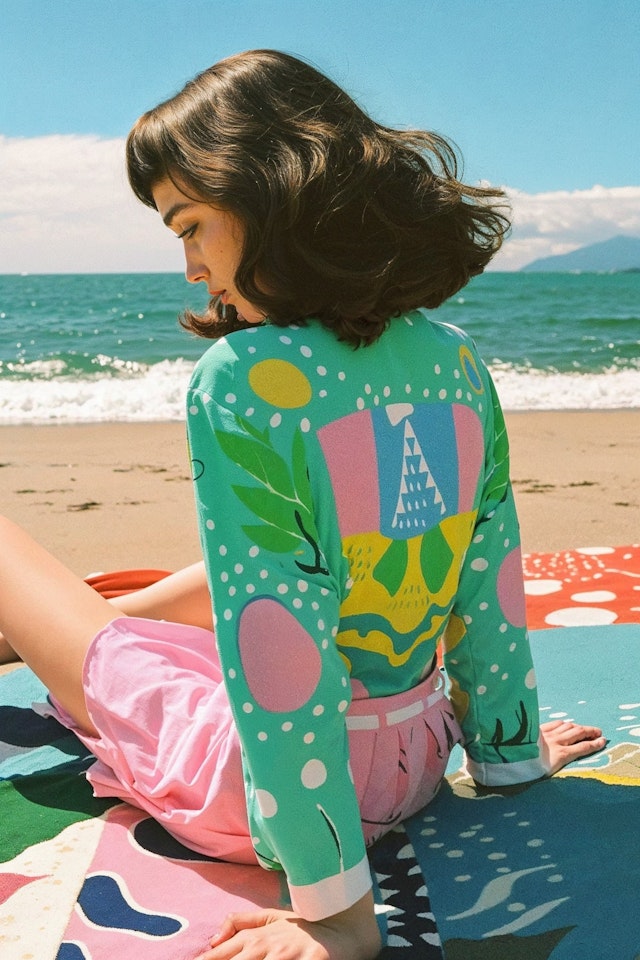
x=596, y=774
x=623, y=766
x=378, y=642
x=280, y=383
x=456, y=629
x=406, y=608
x=459, y=699
x=346, y=661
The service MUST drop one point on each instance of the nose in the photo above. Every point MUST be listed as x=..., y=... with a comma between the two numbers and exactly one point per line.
x=195, y=271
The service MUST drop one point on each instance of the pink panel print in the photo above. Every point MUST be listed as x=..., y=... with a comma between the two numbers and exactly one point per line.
x=470, y=444
x=280, y=660
x=349, y=448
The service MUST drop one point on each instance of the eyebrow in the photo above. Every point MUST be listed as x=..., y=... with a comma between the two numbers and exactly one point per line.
x=173, y=211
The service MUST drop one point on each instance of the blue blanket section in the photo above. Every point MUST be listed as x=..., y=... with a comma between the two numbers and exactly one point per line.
x=550, y=870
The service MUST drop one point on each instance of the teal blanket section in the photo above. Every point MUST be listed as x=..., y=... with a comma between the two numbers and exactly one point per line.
x=30, y=743
x=591, y=675
x=550, y=870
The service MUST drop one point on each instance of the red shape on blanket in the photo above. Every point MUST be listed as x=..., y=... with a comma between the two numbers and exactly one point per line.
x=589, y=586
x=10, y=882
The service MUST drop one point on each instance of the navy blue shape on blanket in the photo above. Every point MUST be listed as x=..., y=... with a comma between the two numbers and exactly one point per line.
x=71, y=951
x=105, y=903
x=22, y=727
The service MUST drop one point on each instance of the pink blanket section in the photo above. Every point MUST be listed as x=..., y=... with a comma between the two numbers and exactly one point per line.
x=193, y=895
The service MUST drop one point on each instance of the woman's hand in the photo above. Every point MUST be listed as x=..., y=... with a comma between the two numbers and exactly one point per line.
x=566, y=741
x=265, y=934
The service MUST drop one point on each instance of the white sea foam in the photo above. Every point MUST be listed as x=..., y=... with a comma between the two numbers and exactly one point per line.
x=157, y=393
x=540, y=390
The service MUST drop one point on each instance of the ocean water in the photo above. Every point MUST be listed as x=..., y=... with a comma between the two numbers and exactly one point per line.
x=108, y=347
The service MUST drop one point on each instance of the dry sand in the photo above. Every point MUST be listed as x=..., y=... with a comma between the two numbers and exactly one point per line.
x=114, y=496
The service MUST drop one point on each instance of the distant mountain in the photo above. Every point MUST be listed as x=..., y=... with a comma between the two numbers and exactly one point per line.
x=615, y=255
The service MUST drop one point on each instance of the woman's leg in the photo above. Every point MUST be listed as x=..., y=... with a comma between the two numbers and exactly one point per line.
x=182, y=597
x=7, y=653
x=49, y=617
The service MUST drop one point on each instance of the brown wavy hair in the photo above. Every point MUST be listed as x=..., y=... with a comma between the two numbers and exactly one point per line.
x=344, y=220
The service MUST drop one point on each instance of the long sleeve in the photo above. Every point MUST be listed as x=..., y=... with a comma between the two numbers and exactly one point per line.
x=276, y=596
x=487, y=653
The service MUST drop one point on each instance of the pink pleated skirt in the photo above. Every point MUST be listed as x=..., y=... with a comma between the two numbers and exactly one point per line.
x=168, y=743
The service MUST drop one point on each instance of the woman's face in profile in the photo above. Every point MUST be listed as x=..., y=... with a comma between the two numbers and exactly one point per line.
x=213, y=240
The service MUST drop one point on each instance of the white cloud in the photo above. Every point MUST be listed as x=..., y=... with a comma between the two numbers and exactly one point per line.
x=65, y=206
x=547, y=224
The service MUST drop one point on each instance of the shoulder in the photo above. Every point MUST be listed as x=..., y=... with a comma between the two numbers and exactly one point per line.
x=265, y=352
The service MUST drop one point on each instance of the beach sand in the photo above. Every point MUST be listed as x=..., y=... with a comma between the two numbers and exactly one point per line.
x=116, y=496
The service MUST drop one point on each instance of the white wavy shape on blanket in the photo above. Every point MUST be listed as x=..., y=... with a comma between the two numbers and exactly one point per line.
x=497, y=891
x=536, y=913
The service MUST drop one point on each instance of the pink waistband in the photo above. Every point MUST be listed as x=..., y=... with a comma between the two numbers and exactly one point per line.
x=373, y=713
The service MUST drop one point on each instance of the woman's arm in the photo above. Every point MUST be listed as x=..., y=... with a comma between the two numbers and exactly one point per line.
x=350, y=935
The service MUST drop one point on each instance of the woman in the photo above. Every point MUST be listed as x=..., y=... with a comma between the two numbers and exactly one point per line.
x=354, y=505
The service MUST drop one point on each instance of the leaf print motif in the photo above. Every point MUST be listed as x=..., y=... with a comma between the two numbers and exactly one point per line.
x=260, y=460
x=283, y=501
x=273, y=539
x=275, y=510
x=391, y=568
x=498, y=478
x=523, y=734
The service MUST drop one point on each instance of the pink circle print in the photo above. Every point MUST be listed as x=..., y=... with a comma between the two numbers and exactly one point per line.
x=280, y=660
x=510, y=589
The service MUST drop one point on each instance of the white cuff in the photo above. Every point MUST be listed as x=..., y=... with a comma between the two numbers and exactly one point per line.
x=315, y=901
x=509, y=774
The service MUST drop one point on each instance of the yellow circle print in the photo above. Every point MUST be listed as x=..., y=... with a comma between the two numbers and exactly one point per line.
x=280, y=383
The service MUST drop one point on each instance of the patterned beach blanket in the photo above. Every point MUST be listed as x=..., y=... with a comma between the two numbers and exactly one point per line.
x=589, y=586
x=550, y=870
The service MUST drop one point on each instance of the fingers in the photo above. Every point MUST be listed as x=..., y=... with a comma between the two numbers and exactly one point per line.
x=568, y=732
x=586, y=747
x=234, y=923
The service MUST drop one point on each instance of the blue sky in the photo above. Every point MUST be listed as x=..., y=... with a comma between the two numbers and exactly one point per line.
x=542, y=96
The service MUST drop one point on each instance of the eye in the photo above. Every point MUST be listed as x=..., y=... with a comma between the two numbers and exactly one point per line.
x=188, y=233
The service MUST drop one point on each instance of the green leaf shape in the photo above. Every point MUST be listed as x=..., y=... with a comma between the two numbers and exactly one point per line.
x=435, y=558
x=272, y=538
x=499, y=477
x=270, y=507
x=248, y=427
x=392, y=566
x=283, y=500
x=259, y=460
